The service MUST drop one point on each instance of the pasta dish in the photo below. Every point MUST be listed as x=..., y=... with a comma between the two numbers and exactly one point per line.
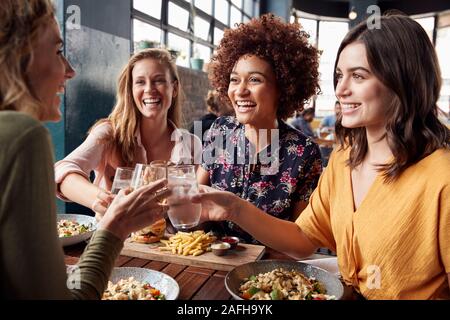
x=69, y=228
x=131, y=289
x=281, y=284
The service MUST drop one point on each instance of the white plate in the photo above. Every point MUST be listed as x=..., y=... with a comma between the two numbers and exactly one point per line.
x=161, y=281
x=82, y=219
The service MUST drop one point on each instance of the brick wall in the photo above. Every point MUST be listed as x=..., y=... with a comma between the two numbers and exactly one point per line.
x=195, y=87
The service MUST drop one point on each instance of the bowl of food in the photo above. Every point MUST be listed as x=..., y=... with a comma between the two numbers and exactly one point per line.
x=129, y=283
x=220, y=248
x=233, y=241
x=75, y=228
x=282, y=280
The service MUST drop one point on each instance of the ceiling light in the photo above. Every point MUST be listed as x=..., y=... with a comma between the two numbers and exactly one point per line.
x=352, y=14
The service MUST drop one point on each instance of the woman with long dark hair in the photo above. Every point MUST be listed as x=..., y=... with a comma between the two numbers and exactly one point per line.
x=383, y=203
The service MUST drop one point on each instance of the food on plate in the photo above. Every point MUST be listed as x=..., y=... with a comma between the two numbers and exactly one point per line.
x=69, y=228
x=281, y=284
x=189, y=243
x=150, y=234
x=131, y=289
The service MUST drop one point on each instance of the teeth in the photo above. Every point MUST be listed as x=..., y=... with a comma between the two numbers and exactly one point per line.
x=245, y=103
x=150, y=101
x=350, y=105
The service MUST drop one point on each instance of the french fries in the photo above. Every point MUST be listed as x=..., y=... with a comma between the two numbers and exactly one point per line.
x=189, y=243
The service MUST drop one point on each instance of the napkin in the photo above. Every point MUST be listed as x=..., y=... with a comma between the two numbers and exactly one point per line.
x=328, y=264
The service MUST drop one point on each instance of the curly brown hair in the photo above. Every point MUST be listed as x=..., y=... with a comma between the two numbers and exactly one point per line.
x=284, y=46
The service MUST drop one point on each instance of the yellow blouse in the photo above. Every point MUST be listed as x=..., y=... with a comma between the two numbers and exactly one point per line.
x=396, y=245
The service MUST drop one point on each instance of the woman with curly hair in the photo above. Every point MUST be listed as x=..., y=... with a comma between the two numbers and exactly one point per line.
x=142, y=127
x=383, y=203
x=34, y=72
x=267, y=70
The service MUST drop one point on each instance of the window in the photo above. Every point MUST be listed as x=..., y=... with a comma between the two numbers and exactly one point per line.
x=221, y=11
x=204, y=5
x=248, y=7
x=428, y=25
x=152, y=8
x=178, y=17
x=181, y=45
x=442, y=50
x=202, y=52
x=310, y=26
x=257, y=8
x=237, y=3
x=235, y=17
x=331, y=34
x=145, y=32
x=218, y=35
x=185, y=30
x=201, y=28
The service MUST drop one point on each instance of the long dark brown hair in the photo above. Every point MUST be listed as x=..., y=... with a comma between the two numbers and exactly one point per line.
x=402, y=57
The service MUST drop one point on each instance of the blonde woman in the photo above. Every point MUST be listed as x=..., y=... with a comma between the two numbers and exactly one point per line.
x=142, y=127
x=34, y=71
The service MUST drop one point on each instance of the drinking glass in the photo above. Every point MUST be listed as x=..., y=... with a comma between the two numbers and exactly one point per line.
x=145, y=174
x=183, y=214
x=122, y=179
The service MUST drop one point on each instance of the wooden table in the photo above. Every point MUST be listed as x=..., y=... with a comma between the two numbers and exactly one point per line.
x=195, y=283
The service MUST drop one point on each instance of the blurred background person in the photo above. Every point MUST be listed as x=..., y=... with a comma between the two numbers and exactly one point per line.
x=327, y=133
x=216, y=108
x=303, y=122
x=328, y=122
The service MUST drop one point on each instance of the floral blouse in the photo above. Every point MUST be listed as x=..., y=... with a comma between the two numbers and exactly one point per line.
x=273, y=180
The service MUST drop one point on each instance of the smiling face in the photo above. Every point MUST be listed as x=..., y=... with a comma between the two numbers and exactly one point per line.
x=253, y=92
x=49, y=71
x=364, y=99
x=153, y=88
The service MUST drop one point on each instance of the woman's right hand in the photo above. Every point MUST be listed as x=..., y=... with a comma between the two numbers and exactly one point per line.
x=133, y=210
x=217, y=205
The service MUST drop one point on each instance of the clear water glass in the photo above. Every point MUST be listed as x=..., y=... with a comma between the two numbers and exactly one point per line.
x=182, y=181
x=122, y=179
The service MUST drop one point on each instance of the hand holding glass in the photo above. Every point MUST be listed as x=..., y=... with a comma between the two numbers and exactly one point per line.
x=183, y=183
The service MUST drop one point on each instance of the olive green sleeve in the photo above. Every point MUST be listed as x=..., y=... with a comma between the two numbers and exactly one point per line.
x=31, y=255
x=88, y=280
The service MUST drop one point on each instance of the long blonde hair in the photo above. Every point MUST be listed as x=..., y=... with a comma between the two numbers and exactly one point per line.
x=20, y=21
x=125, y=115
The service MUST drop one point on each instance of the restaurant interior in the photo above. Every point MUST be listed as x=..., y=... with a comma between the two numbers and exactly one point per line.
x=101, y=35
x=99, y=38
